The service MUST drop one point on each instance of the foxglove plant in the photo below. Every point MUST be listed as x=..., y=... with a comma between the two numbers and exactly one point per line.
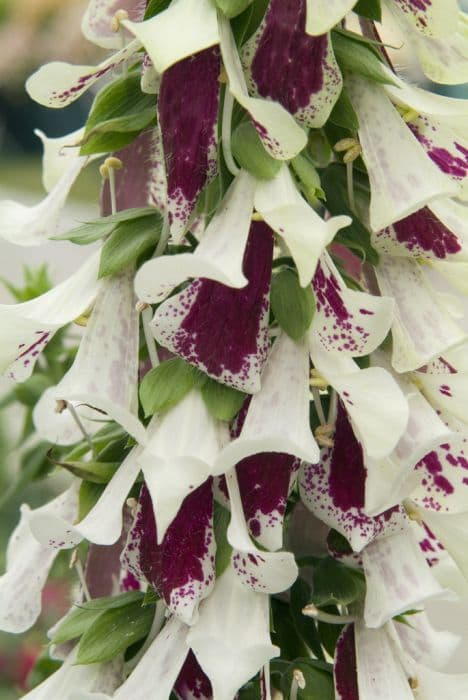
x=265, y=420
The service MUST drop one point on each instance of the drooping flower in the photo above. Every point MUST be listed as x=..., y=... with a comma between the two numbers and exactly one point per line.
x=97, y=23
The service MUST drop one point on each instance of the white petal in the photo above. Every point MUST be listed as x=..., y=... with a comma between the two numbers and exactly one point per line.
x=28, y=564
x=181, y=451
x=231, y=639
x=448, y=392
x=397, y=577
x=58, y=154
x=424, y=643
x=185, y=28
x=278, y=416
x=102, y=525
x=97, y=20
x=437, y=18
x=375, y=403
x=166, y=655
x=451, y=531
x=422, y=329
x=219, y=255
x=26, y=328
x=281, y=136
x=380, y=674
x=424, y=101
x=150, y=78
x=102, y=382
x=433, y=685
x=29, y=226
x=59, y=84
x=322, y=15
x=305, y=233
x=263, y=572
x=402, y=177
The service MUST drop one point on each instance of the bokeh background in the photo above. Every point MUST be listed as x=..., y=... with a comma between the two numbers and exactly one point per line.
x=33, y=32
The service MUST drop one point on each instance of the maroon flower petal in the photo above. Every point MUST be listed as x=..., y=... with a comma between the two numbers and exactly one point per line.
x=345, y=666
x=192, y=683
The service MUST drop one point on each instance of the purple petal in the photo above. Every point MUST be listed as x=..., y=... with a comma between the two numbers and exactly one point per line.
x=192, y=683
x=141, y=181
x=188, y=115
x=221, y=330
x=334, y=490
x=291, y=67
x=181, y=568
x=265, y=481
x=345, y=668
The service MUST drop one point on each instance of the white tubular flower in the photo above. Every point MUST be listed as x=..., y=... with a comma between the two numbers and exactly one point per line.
x=402, y=177
x=28, y=564
x=184, y=29
x=263, y=572
x=97, y=24
x=398, y=578
x=59, y=84
x=305, y=233
x=281, y=136
x=278, y=415
x=231, y=638
x=102, y=382
x=173, y=468
x=102, y=525
x=219, y=255
x=26, y=328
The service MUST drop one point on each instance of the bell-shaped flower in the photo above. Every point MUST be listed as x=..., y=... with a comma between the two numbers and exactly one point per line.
x=435, y=19
x=282, y=137
x=426, y=645
x=262, y=571
x=323, y=15
x=231, y=638
x=180, y=455
x=192, y=681
x=79, y=682
x=304, y=232
x=398, y=578
x=223, y=330
x=277, y=419
x=279, y=64
x=422, y=328
x=28, y=564
x=97, y=25
x=102, y=382
x=403, y=179
x=61, y=164
x=220, y=254
x=182, y=567
x=265, y=482
x=188, y=119
x=26, y=328
x=334, y=490
x=59, y=84
x=102, y=525
x=184, y=29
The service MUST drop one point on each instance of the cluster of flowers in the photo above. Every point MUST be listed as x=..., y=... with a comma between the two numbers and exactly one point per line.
x=219, y=240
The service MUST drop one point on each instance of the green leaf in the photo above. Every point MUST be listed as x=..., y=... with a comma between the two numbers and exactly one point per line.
x=370, y=9
x=284, y=633
x=244, y=25
x=36, y=282
x=119, y=112
x=113, y=631
x=154, y=7
x=223, y=402
x=29, y=392
x=84, y=614
x=34, y=464
x=232, y=8
x=334, y=582
x=221, y=521
x=127, y=242
x=319, y=149
x=359, y=57
x=42, y=669
x=91, y=231
x=308, y=176
x=292, y=305
x=305, y=626
x=343, y=113
x=249, y=152
x=89, y=495
x=164, y=386
x=318, y=681
x=355, y=236
x=97, y=472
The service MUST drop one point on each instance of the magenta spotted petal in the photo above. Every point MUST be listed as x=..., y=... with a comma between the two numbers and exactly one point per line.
x=181, y=568
x=192, y=683
x=221, y=330
x=188, y=119
x=333, y=490
x=344, y=669
x=291, y=67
